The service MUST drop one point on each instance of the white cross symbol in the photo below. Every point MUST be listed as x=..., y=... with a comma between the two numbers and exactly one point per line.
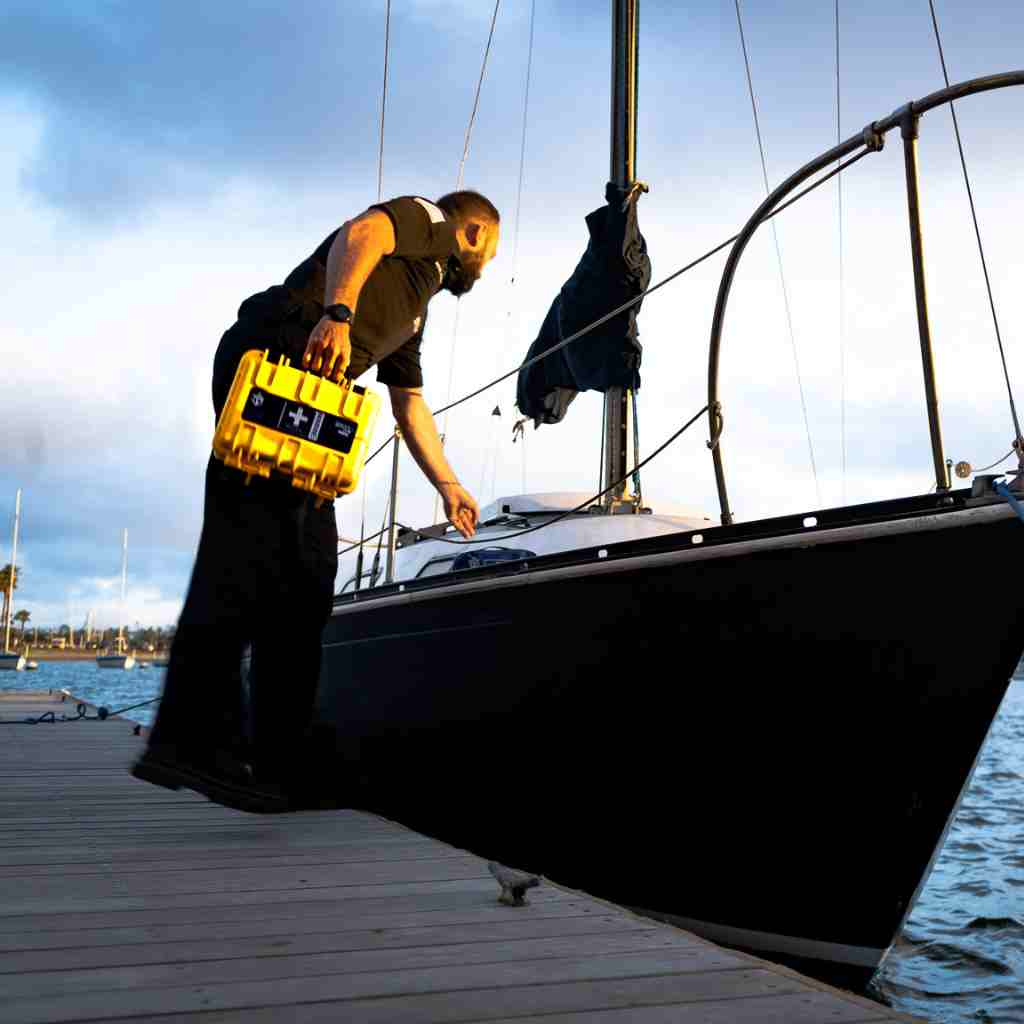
x=298, y=418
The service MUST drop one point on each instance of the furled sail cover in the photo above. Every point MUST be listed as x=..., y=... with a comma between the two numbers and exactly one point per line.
x=614, y=269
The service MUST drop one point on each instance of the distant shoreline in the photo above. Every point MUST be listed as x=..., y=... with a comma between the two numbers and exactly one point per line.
x=45, y=654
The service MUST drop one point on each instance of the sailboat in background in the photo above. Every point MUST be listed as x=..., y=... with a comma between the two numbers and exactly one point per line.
x=12, y=661
x=120, y=658
x=579, y=700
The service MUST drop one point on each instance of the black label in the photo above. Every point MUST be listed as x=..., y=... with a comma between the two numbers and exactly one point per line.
x=298, y=420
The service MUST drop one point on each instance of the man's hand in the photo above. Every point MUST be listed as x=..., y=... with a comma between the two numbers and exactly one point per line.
x=460, y=508
x=329, y=349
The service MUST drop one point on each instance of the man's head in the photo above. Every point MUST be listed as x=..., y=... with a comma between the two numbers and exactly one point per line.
x=477, y=228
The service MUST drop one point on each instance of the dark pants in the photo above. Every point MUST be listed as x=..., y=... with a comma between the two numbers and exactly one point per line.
x=264, y=580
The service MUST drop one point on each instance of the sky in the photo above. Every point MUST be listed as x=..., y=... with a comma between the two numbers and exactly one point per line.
x=164, y=160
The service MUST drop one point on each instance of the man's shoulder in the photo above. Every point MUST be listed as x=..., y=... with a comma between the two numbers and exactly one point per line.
x=433, y=211
x=422, y=228
x=416, y=203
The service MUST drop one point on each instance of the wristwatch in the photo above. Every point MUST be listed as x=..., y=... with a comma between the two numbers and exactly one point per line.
x=339, y=313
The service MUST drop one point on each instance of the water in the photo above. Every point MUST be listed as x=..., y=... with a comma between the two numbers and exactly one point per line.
x=105, y=687
x=960, y=957
x=961, y=954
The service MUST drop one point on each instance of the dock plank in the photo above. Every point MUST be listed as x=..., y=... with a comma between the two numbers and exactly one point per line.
x=121, y=901
x=523, y=1001
x=197, y=947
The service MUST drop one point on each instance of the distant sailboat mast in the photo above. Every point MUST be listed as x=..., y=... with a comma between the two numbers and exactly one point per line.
x=119, y=659
x=124, y=580
x=10, y=581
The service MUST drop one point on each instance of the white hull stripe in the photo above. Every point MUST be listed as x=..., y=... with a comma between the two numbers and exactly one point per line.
x=833, y=952
x=979, y=516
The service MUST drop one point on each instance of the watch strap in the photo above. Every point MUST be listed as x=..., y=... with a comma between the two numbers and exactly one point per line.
x=339, y=313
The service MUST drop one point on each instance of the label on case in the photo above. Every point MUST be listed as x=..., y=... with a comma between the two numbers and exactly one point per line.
x=297, y=420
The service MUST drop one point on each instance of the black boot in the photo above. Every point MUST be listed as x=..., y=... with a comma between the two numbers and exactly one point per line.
x=216, y=774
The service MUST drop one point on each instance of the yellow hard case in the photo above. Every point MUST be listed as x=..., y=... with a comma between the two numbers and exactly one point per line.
x=280, y=418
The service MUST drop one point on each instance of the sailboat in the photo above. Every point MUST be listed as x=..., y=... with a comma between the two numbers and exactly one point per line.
x=121, y=658
x=578, y=700
x=12, y=661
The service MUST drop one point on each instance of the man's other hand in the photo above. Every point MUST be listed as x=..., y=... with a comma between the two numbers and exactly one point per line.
x=329, y=350
x=460, y=508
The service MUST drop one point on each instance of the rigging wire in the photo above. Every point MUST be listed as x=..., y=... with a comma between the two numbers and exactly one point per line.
x=380, y=196
x=639, y=298
x=451, y=380
x=563, y=515
x=842, y=289
x=383, y=101
x=522, y=143
x=458, y=186
x=977, y=231
x=778, y=250
x=984, y=469
x=523, y=457
x=604, y=319
x=518, y=214
x=476, y=98
x=579, y=508
x=386, y=528
x=362, y=542
x=637, y=489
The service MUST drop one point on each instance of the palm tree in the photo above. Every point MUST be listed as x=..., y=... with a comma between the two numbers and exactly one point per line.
x=22, y=618
x=5, y=583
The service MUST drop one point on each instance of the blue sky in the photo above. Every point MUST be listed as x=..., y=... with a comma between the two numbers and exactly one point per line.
x=162, y=161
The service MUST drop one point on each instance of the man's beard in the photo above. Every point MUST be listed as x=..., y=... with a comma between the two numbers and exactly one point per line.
x=462, y=273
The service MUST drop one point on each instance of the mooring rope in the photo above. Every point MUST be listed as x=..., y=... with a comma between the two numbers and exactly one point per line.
x=82, y=714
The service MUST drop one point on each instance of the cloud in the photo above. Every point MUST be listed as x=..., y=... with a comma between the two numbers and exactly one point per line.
x=162, y=161
x=145, y=103
x=157, y=105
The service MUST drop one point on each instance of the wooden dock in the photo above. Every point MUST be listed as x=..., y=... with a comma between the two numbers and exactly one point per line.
x=122, y=901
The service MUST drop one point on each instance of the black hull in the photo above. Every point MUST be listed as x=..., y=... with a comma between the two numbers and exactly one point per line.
x=763, y=735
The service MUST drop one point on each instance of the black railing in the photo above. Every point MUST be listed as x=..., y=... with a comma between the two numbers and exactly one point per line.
x=871, y=139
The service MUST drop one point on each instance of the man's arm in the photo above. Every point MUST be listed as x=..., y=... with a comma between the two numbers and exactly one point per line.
x=357, y=248
x=416, y=422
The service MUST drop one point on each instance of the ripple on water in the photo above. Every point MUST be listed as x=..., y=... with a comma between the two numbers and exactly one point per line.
x=1010, y=924
x=961, y=955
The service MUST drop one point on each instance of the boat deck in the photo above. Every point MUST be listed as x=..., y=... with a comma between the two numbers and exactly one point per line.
x=122, y=901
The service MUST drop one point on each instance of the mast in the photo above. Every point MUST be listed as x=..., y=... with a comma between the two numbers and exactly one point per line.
x=617, y=404
x=10, y=581
x=124, y=580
